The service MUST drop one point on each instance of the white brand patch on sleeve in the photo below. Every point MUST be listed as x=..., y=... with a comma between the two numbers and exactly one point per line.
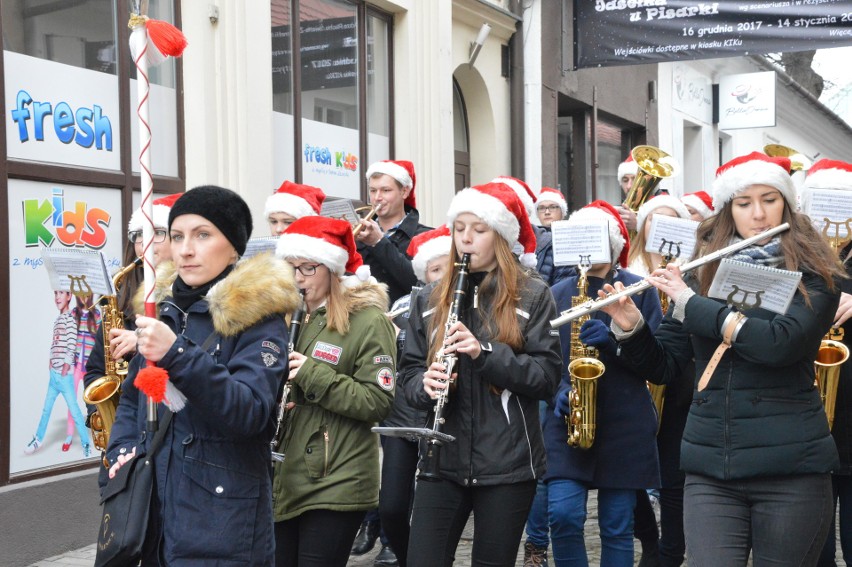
x=385, y=378
x=268, y=358
x=327, y=352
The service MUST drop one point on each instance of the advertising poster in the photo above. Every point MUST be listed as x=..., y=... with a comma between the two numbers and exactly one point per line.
x=629, y=32
x=747, y=100
x=51, y=332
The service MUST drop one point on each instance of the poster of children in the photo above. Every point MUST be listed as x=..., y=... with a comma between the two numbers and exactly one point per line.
x=53, y=330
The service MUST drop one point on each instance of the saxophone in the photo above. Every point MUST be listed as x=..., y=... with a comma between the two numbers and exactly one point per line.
x=584, y=371
x=103, y=393
x=432, y=457
x=658, y=391
x=282, y=421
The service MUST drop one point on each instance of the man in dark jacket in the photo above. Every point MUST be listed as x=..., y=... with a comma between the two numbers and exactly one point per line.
x=382, y=243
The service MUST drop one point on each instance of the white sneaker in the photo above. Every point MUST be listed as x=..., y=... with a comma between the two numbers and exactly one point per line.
x=32, y=446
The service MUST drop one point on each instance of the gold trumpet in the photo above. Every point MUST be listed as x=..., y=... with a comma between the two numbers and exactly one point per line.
x=654, y=166
x=798, y=160
x=371, y=215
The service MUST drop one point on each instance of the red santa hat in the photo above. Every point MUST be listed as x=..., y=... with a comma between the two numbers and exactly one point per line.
x=295, y=200
x=701, y=201
x=521, y=189
x=601, y=211
x=324, y=240
x=498, y=206
x=658, y=202
x=627, y=167
x=401, y=170
x=427, y=246
x=826, y=174
x=753, y=169
x=550, y=195
x=160, y=209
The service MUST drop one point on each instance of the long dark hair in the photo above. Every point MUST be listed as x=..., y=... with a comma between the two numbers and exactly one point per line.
x=802, y=247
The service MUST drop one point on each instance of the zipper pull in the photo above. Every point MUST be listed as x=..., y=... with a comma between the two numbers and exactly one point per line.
x=476, y=297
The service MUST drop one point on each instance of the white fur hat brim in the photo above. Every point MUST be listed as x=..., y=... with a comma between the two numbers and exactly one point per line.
x=659, y=202
x=597, y=215
x=291, y=246
x=160, y=214
x=288, y=203
x=756, y=172
x=834, y=179
x=627, y=168
x=491, y=210
x=428, y=251
x=698, y=205
x=551, y=197
x=393, y=169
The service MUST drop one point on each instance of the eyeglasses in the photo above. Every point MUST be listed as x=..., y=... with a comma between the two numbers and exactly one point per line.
x=307, y=269
x=548, y=208
x=135, y=236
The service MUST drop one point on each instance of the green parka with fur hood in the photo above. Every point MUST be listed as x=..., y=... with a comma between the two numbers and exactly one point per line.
x=344, y=388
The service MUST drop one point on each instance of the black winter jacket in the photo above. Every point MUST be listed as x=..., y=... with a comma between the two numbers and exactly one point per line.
x=498, y=436
x=760, y=414
x=842, y=430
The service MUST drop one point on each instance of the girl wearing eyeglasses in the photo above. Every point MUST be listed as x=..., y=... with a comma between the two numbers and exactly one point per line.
x=342, y=377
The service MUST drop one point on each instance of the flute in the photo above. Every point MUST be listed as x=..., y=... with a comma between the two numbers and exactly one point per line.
x=597, y=304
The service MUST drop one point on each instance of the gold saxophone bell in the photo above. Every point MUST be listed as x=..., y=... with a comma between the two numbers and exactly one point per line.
x=798, y=160
x=654, y=166
x=831, y=355
x=371, y=215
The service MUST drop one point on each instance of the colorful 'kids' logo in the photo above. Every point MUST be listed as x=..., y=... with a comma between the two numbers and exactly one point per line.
x=324, y=156
x=80, y=227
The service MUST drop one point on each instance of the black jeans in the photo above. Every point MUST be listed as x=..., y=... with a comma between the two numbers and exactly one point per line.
x=441, y=510
x=843, y=492
x=783, y=519
x=399, y=465
x=317, y=538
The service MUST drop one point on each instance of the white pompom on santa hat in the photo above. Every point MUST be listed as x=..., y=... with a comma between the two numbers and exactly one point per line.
x=826, y=174
x=427, y=246
x=498, y=206
x=160, y=209
x=619, y=238
x=401, y=170
x=627, y=167
x=327, y=241
x=550, y=195
x=753, y=169
x=521, y=189
x=658, y=202
x=295, y=200
x=701, y=201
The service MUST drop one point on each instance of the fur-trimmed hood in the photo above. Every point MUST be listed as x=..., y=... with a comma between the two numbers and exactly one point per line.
x=258, y=287
x=364, y=295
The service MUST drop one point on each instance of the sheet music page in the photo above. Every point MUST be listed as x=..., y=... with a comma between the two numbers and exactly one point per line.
x=834, y=205
x=77, y=270
x=340, y=209
x=680, y=232
x=588, y=239
x=775, y=288
x=258, y=245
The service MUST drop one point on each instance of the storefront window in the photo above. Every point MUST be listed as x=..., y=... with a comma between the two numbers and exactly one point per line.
x=338, y=86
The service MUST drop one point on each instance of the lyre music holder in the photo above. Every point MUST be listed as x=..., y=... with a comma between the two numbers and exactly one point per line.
x=744, y=304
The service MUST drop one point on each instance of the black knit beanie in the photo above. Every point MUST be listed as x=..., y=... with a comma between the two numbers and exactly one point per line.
x=223, y=207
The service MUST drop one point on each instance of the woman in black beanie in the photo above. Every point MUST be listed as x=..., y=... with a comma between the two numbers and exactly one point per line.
x=222, y=339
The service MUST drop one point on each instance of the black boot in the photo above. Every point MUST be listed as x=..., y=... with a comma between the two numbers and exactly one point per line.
x=386, y=557
x=366, y=538
x=650, y=555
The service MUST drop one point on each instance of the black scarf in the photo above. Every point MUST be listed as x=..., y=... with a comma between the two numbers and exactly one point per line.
x=185, y=296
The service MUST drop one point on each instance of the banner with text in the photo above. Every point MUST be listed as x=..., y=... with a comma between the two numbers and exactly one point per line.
x=629, y=32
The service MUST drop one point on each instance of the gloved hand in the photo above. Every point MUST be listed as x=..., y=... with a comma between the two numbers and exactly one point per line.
x=595, y=333
x=562, y=403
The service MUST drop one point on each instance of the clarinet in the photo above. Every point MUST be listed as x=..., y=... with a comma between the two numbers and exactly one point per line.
x=282, y=420
x=432, y=457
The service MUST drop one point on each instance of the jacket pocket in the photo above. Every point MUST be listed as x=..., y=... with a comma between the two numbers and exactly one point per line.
x=779, y=400
x=318, y=453
x=215, y=513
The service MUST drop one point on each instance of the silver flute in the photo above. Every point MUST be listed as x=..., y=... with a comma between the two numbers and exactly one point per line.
x=597, y=304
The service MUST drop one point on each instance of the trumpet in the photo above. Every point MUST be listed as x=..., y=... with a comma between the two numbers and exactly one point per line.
x=596, y=305
x=371, y=215
x=282, y=420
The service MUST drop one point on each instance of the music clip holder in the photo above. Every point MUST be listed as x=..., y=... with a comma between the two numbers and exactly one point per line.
x=672, y=250
x=744, y=304
x=837, y=242
x=415, y=432
x=80, y=288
